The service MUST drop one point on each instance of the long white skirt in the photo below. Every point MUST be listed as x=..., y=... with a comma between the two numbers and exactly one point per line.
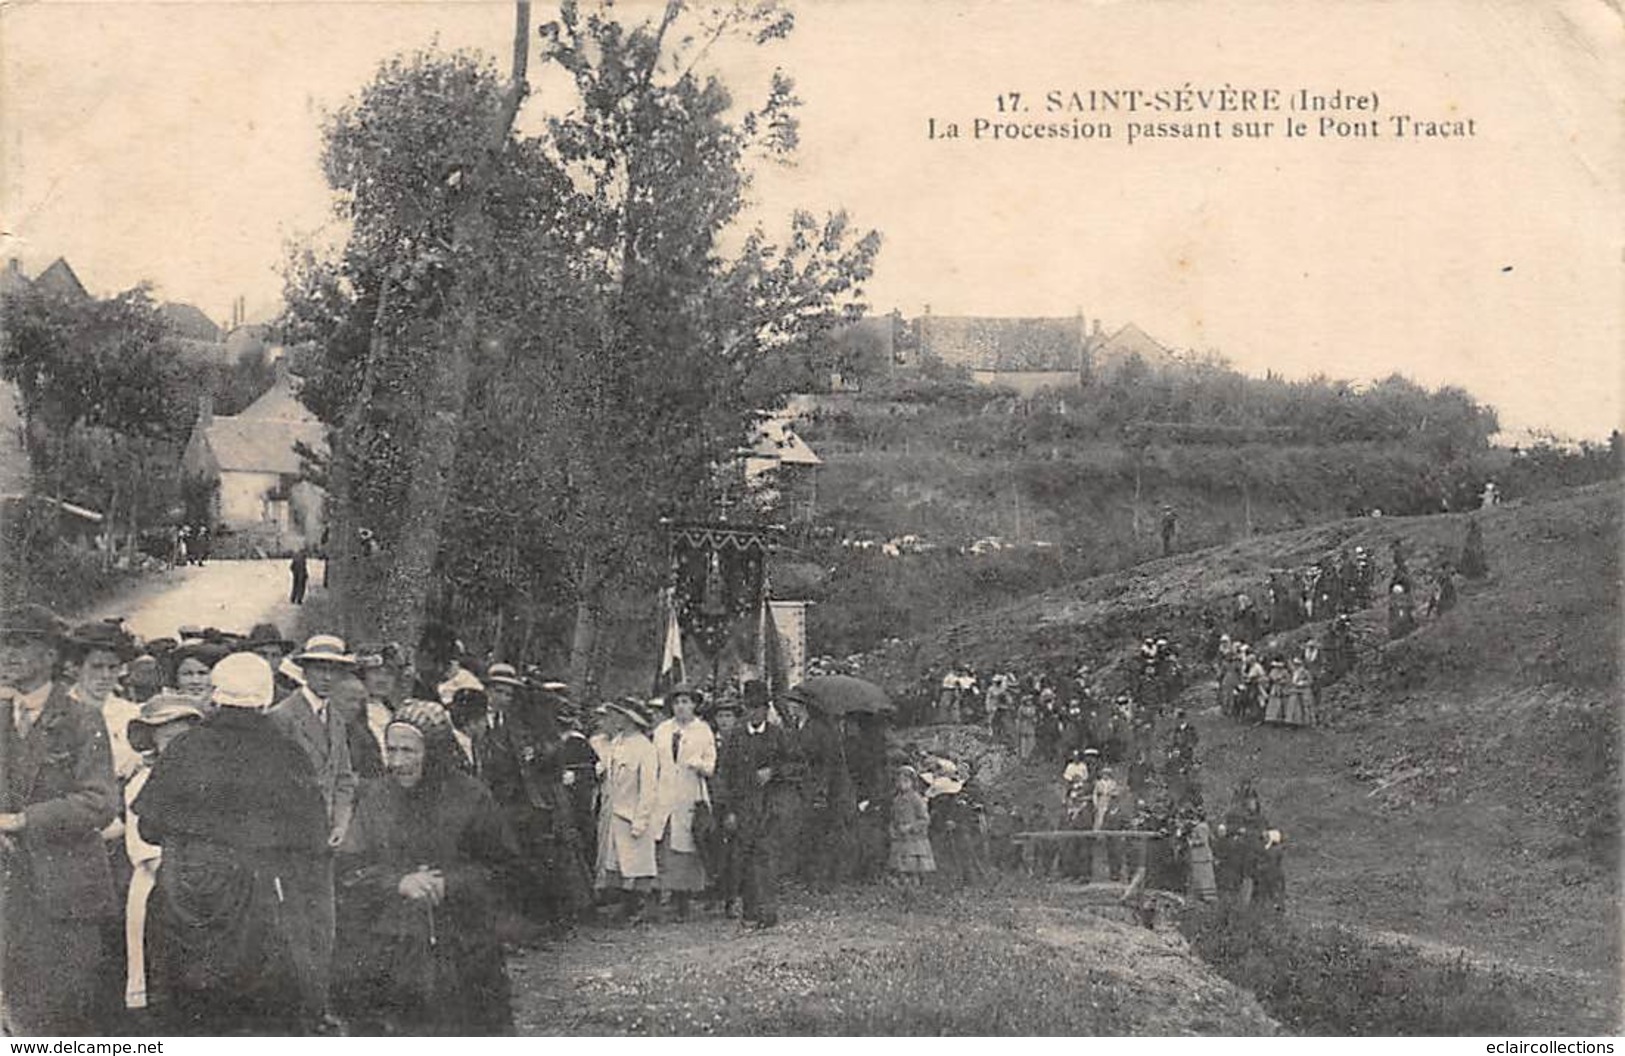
x=135, y=933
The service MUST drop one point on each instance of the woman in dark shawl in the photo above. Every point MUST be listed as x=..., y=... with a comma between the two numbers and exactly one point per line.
x=235, y=806
x=419, y=878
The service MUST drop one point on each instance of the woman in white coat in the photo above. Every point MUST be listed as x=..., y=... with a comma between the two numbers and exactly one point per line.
x=686, y=755
x=627, y=795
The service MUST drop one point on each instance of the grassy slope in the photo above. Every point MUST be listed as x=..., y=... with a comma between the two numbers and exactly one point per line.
x=1506, y=842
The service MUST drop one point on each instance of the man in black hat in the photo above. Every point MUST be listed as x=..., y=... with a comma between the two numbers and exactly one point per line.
x=266, y=642
x=751, y=787
x=57, y=792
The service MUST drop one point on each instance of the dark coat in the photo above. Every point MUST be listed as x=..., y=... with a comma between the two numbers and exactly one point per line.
x=56, y=889
x=60, y=777
x=237, y=809
x=366, y=758
x=436, y=970
x=735, y=789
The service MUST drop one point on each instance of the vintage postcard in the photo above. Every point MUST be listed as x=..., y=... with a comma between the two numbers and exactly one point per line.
x=799, y=517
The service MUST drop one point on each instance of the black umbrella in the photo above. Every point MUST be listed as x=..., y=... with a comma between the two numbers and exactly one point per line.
x=842, y=695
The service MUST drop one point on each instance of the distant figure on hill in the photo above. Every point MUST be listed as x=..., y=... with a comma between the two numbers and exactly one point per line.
x=1443, y=598
x=1401, y=612
x=1472, y=563
x=1170, y=525
x=299, y=567
x=1490, y=497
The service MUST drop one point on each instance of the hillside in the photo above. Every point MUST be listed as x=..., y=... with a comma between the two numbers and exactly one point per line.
x=1076, y=486
x=1463, y=788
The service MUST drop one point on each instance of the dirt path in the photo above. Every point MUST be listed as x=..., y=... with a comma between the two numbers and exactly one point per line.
x=230, y=595
x=1012, y=958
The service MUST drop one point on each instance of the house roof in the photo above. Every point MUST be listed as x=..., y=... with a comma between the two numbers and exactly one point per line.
x=988, y=343
x=1130, y=340
x=60, y=280
x=778, y=442
x=279, y=403
x=189, y=321
x=261, y=445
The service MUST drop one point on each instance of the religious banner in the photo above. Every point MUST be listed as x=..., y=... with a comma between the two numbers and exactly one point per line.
x=790, y=625
x=718, y=586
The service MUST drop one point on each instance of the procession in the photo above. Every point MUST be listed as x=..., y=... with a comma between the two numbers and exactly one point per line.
x=611, y=518
x=273, y=837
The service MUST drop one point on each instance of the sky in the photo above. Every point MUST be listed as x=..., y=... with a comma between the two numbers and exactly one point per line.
x=179, y=143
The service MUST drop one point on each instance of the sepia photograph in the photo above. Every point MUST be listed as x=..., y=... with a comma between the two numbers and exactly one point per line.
x=797, y=518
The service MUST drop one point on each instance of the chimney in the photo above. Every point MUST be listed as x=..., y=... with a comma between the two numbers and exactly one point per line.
x=205, y=410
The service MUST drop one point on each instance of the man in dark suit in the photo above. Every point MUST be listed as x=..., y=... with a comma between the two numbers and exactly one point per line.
x=305, y=718
x=753, y=793
x=57, y=792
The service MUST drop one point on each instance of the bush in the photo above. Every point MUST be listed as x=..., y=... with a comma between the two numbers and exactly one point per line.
x=1328, y=980
x=66, y=579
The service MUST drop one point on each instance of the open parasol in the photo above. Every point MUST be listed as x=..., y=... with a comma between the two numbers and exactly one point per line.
x=842, y=695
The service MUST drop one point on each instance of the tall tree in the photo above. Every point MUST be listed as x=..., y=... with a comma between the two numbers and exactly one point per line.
x=662, y=393
x=416, y=162
x=611, y=349
x=106, y=405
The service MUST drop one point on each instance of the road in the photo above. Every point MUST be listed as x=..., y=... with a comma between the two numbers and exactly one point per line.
x=230, y=595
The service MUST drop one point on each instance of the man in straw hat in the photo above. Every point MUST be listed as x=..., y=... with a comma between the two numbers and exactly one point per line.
x=626, y=805
x=237, y=810
x=57, y=792
x=524, y=767
x=305, y=718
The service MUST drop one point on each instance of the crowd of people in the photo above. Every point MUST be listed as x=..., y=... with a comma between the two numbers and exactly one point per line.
x=220, y=833
x=1128, y=754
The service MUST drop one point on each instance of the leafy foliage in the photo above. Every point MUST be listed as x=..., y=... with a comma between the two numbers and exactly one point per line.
x=616, y=365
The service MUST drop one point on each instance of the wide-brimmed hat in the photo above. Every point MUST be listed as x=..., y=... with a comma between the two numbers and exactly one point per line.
x=103, y=635
x=161, y=710
x=265, y=634
x=504, y=675
x=943, y=785
x=629, y=707
x=209, y=653
x=325, y=649
x=30, y=621
x=685, y=689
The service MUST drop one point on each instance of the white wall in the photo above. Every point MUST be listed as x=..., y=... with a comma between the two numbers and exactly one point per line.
x=242, y=497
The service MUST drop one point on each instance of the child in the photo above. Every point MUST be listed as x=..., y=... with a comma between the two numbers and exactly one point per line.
x=910, y=829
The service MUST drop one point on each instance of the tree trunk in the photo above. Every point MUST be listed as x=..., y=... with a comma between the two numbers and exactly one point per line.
x=584, y=646
x=408, y=576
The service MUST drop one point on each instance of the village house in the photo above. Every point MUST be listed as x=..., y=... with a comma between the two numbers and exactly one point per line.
x=781, y=470
x=253, y=459
x=1034, y=353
